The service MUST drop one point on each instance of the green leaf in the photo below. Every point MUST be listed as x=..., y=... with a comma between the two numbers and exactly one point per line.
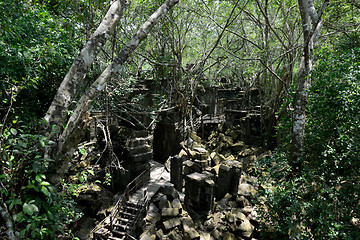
x=18, y=217
x=82, y=151
x=28, y=209
x=13, y=131
x=14, y=202
x=22, y=233
x=45, y=190
x=44, y=183
x=40, y=177
x=50, y=215
x=28, y=227
x=22, y=144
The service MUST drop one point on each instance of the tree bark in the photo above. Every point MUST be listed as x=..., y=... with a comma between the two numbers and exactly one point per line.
x=8, y=220
x=79, y=120
x=57, y=112
x=311, y=22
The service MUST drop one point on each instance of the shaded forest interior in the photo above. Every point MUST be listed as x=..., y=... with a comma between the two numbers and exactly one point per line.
x=195, y=119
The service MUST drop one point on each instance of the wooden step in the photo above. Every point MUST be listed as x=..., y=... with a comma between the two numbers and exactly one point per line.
x=120, y=227
x=119, y=233
x=132, y=204
x=127, y=215
x=120, y=219
x=132, y=209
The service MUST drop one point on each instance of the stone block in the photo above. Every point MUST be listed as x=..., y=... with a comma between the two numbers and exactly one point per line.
x=188, y=224
x=245, y=228
x=200, y=153
x=183, y=154
x=140, y=149
x=170, y=212
x=164, y=203
x=171, y=223
x=176, y=203
x=136, y=142
x=199, y=192
x=160, y=233
x=153, y=217
x=235, y=176
x=173, y=235
x=223, y=181
x=142, y=157
x=176, y=173
x=246, y=190
x=170, y=192
x=191, y=234
x=203, y=163
x=190, y=167
x=149, y=233
x=215, y=158
x=205, y=236
x=238, y=146
x=228, y=236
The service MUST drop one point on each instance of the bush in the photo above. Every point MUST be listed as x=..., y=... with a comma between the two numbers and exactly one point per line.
x=38, y=209
x=322, y=202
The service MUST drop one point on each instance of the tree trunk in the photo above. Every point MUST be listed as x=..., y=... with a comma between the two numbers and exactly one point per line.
x=4, y=214
x=79, y=120
x=57, y=112
x=311, y=22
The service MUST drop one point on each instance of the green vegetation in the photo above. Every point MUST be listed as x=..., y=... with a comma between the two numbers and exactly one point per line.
x=322, y=201
x=39, y=210
x=250, y=44
x=35, y=52
x=36, y=49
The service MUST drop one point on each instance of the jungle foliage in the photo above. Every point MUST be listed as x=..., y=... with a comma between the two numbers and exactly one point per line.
x=321, y=202
x=198, y=44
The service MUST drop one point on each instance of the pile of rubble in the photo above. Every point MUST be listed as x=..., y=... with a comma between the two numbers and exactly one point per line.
x=211, y=193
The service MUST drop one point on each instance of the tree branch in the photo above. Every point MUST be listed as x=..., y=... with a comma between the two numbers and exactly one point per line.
x=57, y=111
x=77, y=123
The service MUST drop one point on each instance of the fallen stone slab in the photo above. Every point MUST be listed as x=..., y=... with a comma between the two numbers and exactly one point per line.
x=170, y=212
x=149, y=233
x=160, y=233
x=176, y=203
x=153, y=217
x=246, y=190
x=173, y=235
x=171, y=223
x=191, y=234
x=164, y=203
x=205, y=236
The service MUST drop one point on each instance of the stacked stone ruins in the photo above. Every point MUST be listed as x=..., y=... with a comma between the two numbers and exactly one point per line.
x=211, y=190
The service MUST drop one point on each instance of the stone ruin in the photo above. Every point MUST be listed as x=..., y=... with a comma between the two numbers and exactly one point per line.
x=211, y=174
x=211, y=192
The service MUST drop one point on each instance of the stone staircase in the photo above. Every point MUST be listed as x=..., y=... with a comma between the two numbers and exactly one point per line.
x=129, y=209
x=126, y=222
x=131, y=206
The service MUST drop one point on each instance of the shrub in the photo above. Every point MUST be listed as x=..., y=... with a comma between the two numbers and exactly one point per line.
x=322, y=202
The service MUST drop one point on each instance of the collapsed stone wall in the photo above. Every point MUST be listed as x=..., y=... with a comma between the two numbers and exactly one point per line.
x=212, y=192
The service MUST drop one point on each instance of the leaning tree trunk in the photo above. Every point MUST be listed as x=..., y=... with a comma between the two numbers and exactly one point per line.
x=79, y=120
x=311, y=22
x=57, y=112
x=5, y=215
